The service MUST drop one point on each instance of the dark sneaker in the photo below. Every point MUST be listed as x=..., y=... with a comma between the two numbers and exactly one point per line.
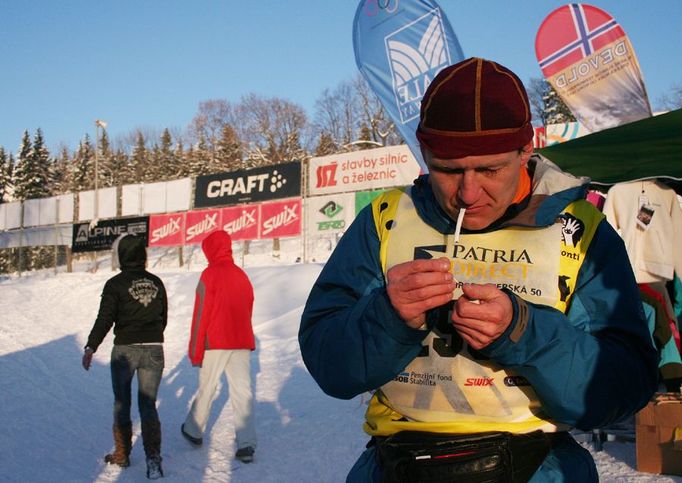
x=190, y=438
x=245, y=455
x=154, y=470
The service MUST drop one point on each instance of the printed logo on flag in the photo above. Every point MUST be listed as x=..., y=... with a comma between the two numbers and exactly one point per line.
x=414, y=66
x=588, y=30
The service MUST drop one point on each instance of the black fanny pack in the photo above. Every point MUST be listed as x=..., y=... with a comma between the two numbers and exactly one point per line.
x=412, y=456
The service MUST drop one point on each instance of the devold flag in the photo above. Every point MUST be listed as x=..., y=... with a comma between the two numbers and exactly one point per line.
x=400, y=46
x=587, y=58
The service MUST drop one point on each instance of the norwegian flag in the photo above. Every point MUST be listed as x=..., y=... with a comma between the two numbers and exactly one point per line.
x=571, y=33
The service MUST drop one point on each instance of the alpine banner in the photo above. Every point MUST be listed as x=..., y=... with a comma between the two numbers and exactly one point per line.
x=400, y=46
x=88, y=238
x=362, y=170
x=280, y=219
x=273, y=182
x=167, y=230
x=589, y=61
x=241, y=222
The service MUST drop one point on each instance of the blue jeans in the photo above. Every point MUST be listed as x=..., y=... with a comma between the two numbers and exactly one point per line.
x=148, y=361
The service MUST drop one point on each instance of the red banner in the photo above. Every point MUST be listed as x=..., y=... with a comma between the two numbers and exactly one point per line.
x=200, y=224
x=166, y=230
x=241, y=222
x=280, y=219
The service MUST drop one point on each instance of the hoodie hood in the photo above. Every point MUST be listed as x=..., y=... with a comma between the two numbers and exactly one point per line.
x=218, y=247
x=551, y=191
x=132, y=253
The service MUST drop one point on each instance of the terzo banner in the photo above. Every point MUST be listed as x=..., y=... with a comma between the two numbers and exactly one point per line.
x=589, y=61
x=248, y=186
x=102, y=236
x=400, y=46
x=167, y=230
x=362, y=170
x=329, y=214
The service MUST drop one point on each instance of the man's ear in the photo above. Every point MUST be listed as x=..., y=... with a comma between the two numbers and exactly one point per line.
x=526, y=153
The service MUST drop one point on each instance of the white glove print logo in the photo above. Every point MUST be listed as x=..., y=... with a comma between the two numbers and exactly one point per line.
x=572, y=230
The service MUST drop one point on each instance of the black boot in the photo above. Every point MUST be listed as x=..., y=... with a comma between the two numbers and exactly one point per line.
x=151, y=439
x=123, y=436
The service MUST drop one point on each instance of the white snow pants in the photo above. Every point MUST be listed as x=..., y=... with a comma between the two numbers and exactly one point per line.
x=236, y=364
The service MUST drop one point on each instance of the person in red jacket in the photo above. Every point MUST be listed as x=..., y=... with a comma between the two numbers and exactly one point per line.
x=221, y=340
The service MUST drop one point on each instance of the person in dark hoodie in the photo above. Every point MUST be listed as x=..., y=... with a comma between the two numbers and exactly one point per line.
x=134, y=302
x=221, y=340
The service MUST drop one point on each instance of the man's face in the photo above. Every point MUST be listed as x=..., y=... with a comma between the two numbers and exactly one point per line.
x=485, y=185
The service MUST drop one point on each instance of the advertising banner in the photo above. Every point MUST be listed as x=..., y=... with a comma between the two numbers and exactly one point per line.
x=362, y=170
x=280, y=219
x=199, y=224
x=560, y=133
x=247, y=186
x=167, y=230
x=102, y=235
x=589, y=61
x=400, y=46
x=329, y=214
x=241, y=222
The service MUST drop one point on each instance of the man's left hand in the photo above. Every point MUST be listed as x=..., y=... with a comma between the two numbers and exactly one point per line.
x=481, y=314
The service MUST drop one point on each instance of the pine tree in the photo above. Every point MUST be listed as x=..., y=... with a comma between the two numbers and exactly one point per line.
x=139, y=158
x=61, y=174
x=555, y=110
x=168, y=164
x=32, y=173
x=325, y=145
x=107, y=167
x=4, y=175
x=228, y=150
x=82, y=169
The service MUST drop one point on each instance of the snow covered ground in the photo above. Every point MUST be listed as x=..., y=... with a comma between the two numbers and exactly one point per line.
x=56, y=417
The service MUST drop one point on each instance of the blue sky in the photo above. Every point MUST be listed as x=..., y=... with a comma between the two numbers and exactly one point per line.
x=148, y=64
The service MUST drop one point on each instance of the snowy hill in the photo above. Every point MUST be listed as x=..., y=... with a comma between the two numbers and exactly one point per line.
x=57, y=418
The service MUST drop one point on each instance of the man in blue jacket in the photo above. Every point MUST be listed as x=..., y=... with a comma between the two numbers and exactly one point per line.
x=488, y=307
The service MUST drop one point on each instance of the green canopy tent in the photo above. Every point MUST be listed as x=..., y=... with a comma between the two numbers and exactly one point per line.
x=649, y=148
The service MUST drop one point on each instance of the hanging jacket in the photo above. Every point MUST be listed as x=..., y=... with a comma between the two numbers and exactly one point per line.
x=134, y=301
x=590, y=364
x=223, y=302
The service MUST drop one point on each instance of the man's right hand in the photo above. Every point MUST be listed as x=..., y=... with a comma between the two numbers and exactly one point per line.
x=87, y=358
x=418, y=286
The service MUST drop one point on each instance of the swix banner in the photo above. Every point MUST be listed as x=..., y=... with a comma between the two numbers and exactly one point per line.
x=241, y=222
x=280, y=219
x=166, y=230
x=200, y=224
x=400, y=46
x=587, y=58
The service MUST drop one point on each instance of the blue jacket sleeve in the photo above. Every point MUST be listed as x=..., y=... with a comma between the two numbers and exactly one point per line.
x=351, y=338
x=597, y=364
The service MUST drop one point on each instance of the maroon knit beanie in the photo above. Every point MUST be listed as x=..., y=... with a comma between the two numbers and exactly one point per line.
x=472, y=108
